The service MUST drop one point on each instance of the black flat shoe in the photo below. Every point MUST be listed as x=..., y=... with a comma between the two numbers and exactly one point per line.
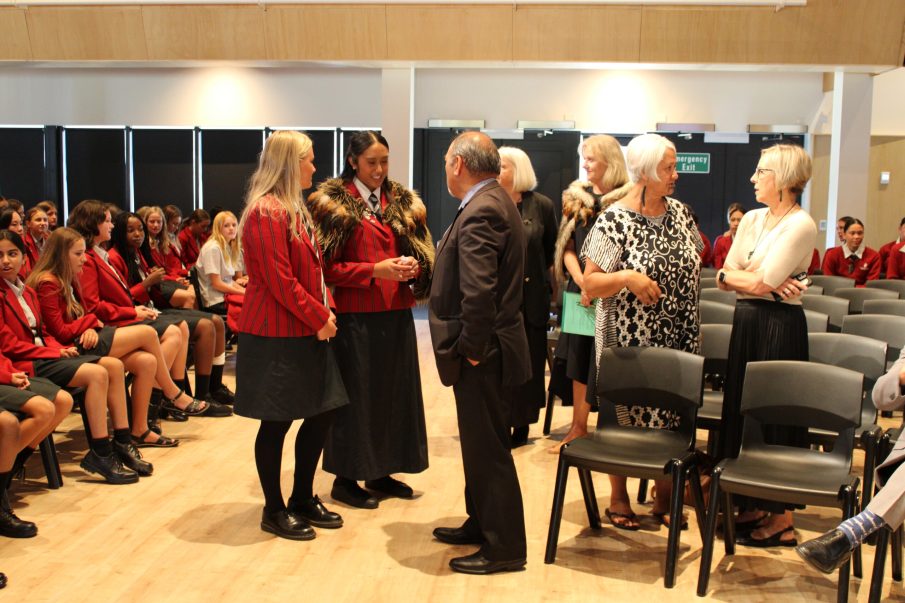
x=457, y=536
x=223, y=395
x=350, y=493
x=2, y=580
x=109, y=467
x=749, y=526
x=287, y=525
x=480, y=565
x=519, y=437
x=130, y=457
x=827, y=552
x=390, y=487
x=769, y=542
x=215, y=409
x=314, y=512
x=13, y=527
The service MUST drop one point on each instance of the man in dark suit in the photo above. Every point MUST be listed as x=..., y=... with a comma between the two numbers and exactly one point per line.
x=480, y=347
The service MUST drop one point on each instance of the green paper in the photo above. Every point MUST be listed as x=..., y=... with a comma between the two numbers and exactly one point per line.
x=577, y=319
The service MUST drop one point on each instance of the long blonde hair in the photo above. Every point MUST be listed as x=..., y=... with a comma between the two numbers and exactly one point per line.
x=278, y=176
x=162, y=241
x=230, y=249
x=54, y=266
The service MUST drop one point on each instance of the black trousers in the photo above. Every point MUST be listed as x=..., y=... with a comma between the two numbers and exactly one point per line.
x=493, y=498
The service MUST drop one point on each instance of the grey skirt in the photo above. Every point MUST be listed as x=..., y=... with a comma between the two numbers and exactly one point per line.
x=12, y=398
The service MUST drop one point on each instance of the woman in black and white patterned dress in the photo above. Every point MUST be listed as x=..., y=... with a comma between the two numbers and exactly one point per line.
x=642, y=258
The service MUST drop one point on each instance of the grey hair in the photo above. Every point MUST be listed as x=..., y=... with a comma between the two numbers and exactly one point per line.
x=644, y=154
x=478, y=153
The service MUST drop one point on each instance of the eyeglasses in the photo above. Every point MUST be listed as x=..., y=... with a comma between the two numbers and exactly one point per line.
x=759, y=172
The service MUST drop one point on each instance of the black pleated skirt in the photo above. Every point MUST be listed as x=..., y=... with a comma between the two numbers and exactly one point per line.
x=382, y=430
x=12, y=398
x=286, y=378
x=62, y=370
x=761, y=330
x=104, y=343
x=526, y=400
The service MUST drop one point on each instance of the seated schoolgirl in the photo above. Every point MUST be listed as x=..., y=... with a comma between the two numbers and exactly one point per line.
x=33, y=351
x=220, y=267
x=174, y=290
x=194, y=233
x=11, y=220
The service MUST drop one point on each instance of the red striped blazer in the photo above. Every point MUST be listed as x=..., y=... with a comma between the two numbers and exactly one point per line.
x=16, y=339
x=103, y=294
x=53, y=312
x=283, y=297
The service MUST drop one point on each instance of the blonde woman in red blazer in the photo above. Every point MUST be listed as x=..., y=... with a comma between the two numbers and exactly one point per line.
x=286, y=369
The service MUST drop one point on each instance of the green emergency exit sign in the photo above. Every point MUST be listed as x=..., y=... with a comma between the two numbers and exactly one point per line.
x=693, y=163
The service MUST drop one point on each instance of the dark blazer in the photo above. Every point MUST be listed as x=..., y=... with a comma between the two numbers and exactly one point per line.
x=476, y=292
x=283, y=297
x=541, y=226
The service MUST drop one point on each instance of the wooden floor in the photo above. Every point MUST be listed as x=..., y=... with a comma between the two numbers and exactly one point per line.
x=191, y=533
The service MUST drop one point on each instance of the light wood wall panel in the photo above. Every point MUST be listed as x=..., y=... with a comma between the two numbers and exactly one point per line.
x=86, y=33
x=576, y=33
x=844, y=32
x=14, y=44
x=885, y=204
x=462, y=33
x=326, y=32
x=820, y=184
x=204, y=32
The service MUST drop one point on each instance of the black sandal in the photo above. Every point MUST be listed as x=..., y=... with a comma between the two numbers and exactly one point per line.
x=196, y=407
x=161, y=442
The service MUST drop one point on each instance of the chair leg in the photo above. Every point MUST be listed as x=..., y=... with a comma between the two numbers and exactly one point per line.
x=559, y=495
x=51, y=463
x=675, y=522
x=871, y=446
x=548, y=414
x=590, y=499
x=642, y=491
x=710, y=531
x=897, y=555
x=728, y=524
x=846, y=568
x=876, y=579
x=694, y=477
x=851, y=496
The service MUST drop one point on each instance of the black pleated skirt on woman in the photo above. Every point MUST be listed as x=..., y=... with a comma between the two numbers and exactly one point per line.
x=761, y=330
x=382, y=430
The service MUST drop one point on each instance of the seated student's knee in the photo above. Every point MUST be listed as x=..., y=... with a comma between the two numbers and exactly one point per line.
x=63, y=402
x=9, y=426
x=40, y=409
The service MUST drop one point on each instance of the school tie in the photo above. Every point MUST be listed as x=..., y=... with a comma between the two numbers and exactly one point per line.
x=374, y=204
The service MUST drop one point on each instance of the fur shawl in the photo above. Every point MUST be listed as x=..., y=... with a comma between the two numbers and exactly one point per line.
x=336, y=213
x=579, y=207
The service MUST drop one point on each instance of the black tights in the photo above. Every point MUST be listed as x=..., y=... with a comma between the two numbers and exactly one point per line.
x=309, y=443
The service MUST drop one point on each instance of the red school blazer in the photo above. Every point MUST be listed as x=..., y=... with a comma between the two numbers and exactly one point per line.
x=190, y=247
x=16, y=339
x=103, y=294
x=170, y=262
x=283, y=297
x=865, y=269
x=31, y=249
x=53, y=312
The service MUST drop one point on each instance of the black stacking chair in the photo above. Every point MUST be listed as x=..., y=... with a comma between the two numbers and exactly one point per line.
x=825, y=397
x=893, y=307
x=890, y=284
x=818, y=322
x=831, y=283
x=552, y=339
x=713, y=313
x=813, y=290
x=858, y=295
x=708, y=274
x=834, y=307
x=715, y=350
x=882, y=327
x=661, y=377
x=719, y=296
x=868, y=357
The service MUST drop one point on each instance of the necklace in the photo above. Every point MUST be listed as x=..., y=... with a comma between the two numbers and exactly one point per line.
x=764, y=230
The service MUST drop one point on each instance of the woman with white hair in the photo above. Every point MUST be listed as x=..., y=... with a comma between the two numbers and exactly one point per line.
x=771, y=247
x=539, y=220
x=642, y=259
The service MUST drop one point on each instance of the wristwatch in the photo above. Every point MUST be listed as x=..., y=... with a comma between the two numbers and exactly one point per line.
x=721, y=276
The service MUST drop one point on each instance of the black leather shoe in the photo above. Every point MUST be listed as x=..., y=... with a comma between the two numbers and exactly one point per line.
x=13, y=527
x=480, y=565
x=389, y=486
x=224, y=395
x=314, y=512
x=519, y=436
x=349, y=492
x=827, y=552
x=287, y=525
x=109, y=467
x=2, y=580
x=130, y=457
x=215, y=409
x=4, y=500
x=457, y=536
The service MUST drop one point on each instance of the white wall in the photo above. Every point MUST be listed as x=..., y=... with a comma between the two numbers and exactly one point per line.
x=888, y=118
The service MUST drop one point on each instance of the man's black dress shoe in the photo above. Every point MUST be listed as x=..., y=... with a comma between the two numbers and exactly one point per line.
x=109, y=467
x=314, y=512
x=389, y=486
x=457, y=536
x=349, y=492
x=287, y=525
x=827, y=552
x=13, y=527
x=130, y=457
x=480, y=565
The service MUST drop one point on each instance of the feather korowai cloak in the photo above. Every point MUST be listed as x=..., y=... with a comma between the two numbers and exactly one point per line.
x=336, y=213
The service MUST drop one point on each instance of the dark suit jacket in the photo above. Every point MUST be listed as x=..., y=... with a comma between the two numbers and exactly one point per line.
x=476, y=291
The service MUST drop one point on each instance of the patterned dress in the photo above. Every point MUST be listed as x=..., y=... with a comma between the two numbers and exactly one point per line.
x=665, y=248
